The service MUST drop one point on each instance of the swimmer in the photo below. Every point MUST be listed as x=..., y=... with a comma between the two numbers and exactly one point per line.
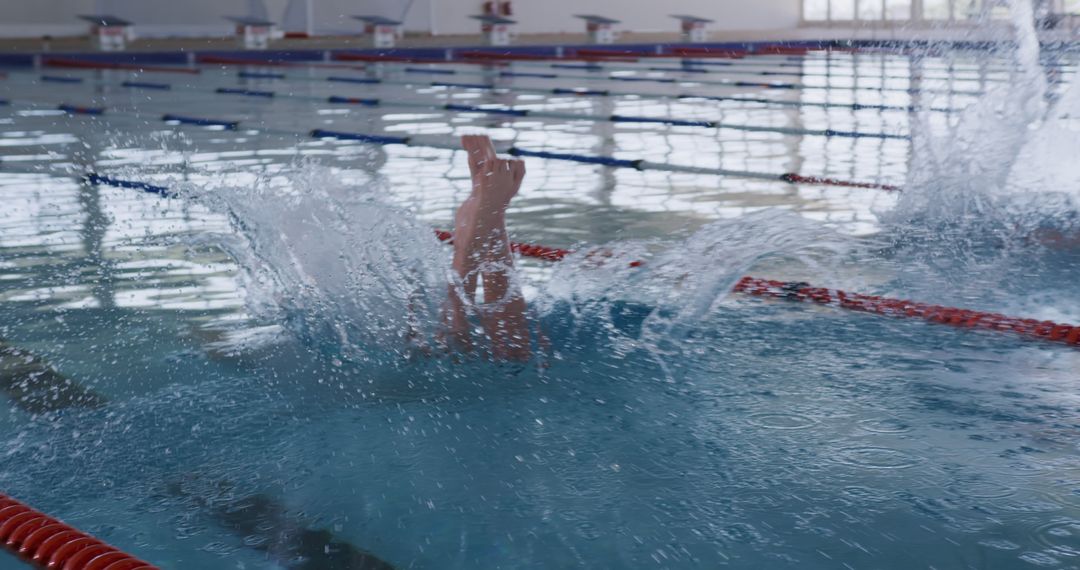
x=35, y=386
x=482, y=253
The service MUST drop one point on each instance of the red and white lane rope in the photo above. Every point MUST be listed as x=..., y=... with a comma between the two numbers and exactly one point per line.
x=803, y=292
x=952, y=316
x=49, y=543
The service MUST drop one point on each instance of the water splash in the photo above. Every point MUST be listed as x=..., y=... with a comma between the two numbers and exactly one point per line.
x=1000, y=169
x=680, y=286
x=336, y=264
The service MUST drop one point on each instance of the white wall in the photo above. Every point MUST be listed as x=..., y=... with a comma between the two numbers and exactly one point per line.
x=154, y=18
x=553, y=16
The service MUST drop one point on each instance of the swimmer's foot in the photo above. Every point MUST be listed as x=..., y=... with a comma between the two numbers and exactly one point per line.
x=482, y=250
x=480, y=225
x=495, y=181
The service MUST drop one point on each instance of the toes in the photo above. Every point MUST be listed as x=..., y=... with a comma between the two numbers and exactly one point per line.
x=517, y=170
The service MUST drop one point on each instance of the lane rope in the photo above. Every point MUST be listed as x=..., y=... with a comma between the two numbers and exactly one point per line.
x=511, y=111
x=46, y=542
x=607, y=161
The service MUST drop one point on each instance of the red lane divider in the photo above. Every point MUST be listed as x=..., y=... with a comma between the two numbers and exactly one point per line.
x=707, y=52
x=784, y=50
x=222, y=60
x=960, y=318
x=48, y=543
x=614, y=55
x=803, y=292
x=389, y=58
x=503, y=56
x=478, y=56
x=794, y=178
x=85, y=64
x=524, y=249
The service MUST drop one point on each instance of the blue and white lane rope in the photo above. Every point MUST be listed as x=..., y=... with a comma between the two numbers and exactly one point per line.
x=714, y=83
x=517, y=112
x=414, y=141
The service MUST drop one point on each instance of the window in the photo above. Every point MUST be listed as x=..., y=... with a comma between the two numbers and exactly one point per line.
x=870, y=9
x=1072, y=6
x=967, y=9
x=818, y=10
x=899, y=9
x=842, y=9
x=936, y=9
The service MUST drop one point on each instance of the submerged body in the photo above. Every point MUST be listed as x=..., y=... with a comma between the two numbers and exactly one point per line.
x=35, y=386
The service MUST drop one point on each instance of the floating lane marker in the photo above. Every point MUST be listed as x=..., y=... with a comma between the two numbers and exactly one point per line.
x=794, y=178
x=636, y=164
x=486, y=110
x=691, y=66
x=528, y=74
x=677, y=122
x=146, y=85
x=198, y=121
x=720, y=82
x=733, y=98
x=431, y=71
x=960, y=318
x=581, y=92
x=461, y=85
x=361, y=80
x=605, y=93
x=252, y=61
x=80, y=110
x=244, y=92
x=259, y=75
x=135, y=185
x=352, y=101
x=376, y=139
x=791, y=291
x=47, y=542
x=664, y=121
x=602, y=160
x=85, y=64
x=645, y=79
x=586, y=66
x=60, y=79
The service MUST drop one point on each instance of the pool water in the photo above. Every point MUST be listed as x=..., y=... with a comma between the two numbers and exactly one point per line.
x=243, y=399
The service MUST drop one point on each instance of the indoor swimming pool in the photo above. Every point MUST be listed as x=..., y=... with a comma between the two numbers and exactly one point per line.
x=219, y=273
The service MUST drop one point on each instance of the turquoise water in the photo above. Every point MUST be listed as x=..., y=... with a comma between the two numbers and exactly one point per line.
x=240, y=383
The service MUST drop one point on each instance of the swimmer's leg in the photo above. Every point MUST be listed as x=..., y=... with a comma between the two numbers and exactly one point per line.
x=482, y=248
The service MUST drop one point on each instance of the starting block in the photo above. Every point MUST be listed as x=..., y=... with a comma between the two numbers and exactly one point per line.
x=109, y=32
x=497, y=29
x=693, y=28
x=601, y=28
x=384, y=32
x=253, y=33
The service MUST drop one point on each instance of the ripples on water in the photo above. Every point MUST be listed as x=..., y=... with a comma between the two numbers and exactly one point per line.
x=247, y=342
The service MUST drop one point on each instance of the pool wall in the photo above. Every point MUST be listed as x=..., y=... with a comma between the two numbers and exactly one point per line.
x=458, y=53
